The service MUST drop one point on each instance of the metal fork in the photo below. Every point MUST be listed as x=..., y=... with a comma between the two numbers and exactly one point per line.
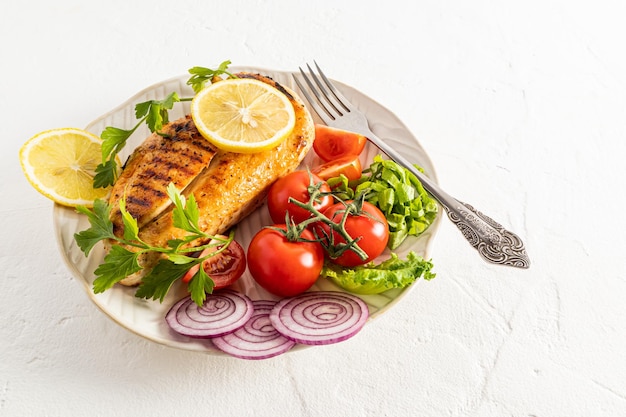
x=492, y=241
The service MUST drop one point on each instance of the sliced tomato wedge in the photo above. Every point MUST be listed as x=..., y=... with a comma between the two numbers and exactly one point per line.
x=224, y=268
x=332, y=143
x=350, y=166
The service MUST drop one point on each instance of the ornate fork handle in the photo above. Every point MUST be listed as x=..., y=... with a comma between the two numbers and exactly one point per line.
x=492, y=241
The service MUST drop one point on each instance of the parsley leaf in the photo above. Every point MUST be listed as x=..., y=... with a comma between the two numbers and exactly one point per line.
x=200, y=76
x=106, y=174
x=185, y=216
x=155, y=112
x=199, y=286
x=158, y=282
x=118, y=264
x=114, y=139
x=131, y=229
x=101, y=226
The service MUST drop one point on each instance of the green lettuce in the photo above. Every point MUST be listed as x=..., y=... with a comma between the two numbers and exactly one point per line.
x=374, y=279
x=399, y=194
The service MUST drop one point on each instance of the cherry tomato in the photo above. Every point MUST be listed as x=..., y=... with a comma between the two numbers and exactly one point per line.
x=295, y=185
x=283, y=267
x=332, y=143
x=371, y=225
x=224, y=268
x=350, y=166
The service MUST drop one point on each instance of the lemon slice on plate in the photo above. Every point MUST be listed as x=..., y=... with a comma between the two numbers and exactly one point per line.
x=243, y=115
x=61, y=164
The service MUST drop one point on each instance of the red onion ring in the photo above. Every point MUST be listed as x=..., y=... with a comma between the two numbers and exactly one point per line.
x=223, y=312
x=257, y=339
x=319, y=318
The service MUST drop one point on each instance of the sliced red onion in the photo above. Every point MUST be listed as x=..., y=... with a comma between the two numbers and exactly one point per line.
x=223, y=312
x=319, y=318
x=257, y=339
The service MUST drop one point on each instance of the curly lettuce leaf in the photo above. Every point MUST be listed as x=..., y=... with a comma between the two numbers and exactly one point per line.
x=374, y=279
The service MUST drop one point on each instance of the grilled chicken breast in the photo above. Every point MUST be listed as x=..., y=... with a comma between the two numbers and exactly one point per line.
x=178, y=154
x=230, y=187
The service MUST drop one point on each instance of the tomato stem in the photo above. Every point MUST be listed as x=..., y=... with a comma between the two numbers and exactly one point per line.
x=333, y=249
x=293, y=231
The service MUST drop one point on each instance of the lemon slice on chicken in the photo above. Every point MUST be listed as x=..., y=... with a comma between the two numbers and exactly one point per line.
x=243, y=115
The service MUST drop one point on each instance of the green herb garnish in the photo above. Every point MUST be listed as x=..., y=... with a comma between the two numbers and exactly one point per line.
x=201, y=75
x=121, y=262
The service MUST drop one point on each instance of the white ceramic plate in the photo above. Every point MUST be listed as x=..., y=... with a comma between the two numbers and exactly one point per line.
x=146, y=318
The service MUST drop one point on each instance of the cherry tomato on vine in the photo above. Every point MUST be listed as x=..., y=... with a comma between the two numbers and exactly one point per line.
x=283, y=267
x=371, y=225
x=224, y=268
x=350, y=166
x=332, y=143
x=296, y=185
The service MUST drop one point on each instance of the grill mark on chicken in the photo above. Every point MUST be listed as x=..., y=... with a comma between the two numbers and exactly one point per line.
x=176, y=155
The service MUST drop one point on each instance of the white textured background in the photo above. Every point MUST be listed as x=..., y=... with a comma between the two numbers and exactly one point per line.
x=522, y=108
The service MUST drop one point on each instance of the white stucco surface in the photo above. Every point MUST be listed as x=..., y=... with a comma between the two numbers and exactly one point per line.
x=521, y=107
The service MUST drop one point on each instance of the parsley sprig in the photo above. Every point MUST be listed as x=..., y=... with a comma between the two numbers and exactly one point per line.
x=200, y=76
x=155, y=113
x=121, y=261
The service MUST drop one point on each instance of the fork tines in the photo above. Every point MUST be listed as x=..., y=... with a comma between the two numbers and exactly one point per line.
x=329, y=103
